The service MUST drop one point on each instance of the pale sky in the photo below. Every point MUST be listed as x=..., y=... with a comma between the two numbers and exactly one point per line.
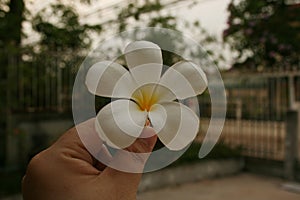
x=212, y=14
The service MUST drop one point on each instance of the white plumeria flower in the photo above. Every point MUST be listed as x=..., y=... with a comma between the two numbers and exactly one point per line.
x=143, y=94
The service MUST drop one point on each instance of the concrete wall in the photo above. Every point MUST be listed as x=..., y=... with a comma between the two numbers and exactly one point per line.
x=190, y=173
x=30, y=135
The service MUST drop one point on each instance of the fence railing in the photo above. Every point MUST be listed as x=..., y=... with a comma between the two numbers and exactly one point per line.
x=257, y=103
x=259, y=139
x=256, y=114
x=42, y=83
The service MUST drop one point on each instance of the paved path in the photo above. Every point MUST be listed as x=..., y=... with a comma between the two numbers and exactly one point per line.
x=242, y=187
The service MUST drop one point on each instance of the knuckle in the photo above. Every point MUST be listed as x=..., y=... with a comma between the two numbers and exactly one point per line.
x=36, y=163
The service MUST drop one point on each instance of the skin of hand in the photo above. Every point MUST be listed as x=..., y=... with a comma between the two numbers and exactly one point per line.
x=66, y=170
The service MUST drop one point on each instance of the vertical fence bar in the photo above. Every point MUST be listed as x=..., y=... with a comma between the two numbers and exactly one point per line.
x=291, y=144
x=239, y=119
x=59, y=89
x=47, y=85
x=271, y=118
x=10, y=150
x=261, y=129
x=275, y=140
x=40, y=84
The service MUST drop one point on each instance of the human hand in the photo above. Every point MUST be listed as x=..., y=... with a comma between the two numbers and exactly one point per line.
x=66, y=170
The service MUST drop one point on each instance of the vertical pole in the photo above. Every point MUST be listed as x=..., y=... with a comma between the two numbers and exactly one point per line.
x=9, y=88
x=298, y=139
x=59, y=90
x=239, y=106
x=292, y=101
x=3, y=109
x=291, y=144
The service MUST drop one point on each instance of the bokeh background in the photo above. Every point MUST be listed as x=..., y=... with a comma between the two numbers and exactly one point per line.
x=255, y=44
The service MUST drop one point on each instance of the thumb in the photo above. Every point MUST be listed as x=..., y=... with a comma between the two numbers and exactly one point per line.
x=131, y=161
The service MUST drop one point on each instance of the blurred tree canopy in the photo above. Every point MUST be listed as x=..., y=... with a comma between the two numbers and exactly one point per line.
x=11, y=18
x=60, y=29
x=64, y=32
x=265, y=34
x=62, y=37
x=58, y=26
x=40, y=67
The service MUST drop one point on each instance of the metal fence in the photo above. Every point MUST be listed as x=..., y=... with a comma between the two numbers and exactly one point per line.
x=36, y=84
x=42, y=83
x=256, y=113
x=257, y=103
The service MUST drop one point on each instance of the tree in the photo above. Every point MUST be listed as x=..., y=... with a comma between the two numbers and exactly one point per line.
x=11, y=18
x=264, y=33
x=64, y=33
x=63, y=37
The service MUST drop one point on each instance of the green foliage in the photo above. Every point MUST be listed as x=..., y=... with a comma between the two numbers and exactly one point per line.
x=164, y=22
x=264, y=33
x=11, y=18
x=136, y=11
x=66, y=33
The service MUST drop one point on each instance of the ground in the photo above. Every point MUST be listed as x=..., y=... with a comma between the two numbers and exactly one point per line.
x=242, y=186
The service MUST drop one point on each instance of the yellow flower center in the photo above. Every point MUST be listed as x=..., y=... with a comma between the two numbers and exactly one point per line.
x=145, y=97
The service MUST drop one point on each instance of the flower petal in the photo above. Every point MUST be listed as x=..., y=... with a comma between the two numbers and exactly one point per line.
x=158, y=117
x=103, y=136
x=102, y=77
x=185, y=79
x=125, y=87
x=142, y=52
x=146, y=73
x=163, y=94
x=144, y=60
x=120, y=122
x=176, y=124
